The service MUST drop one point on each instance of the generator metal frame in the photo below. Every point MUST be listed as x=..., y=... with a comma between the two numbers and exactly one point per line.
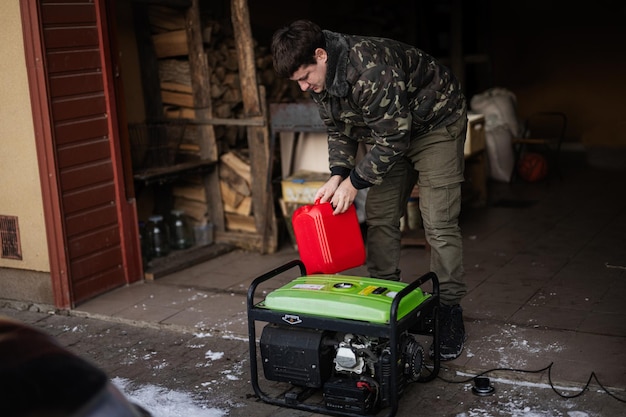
x=391, y=331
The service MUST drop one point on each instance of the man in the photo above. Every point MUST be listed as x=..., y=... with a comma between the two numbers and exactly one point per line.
x=412, y=112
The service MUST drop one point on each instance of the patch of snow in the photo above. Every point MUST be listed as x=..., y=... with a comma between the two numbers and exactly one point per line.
x=213, y=355
x=161, y=402
x=510, y=342
x=197, y=296
x=234, y=337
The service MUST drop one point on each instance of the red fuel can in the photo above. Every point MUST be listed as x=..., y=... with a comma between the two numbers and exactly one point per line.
x=328, y=243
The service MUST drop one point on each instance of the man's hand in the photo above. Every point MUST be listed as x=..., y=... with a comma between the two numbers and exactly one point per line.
x=341, y=193
x=344, y=196
x=326, y=191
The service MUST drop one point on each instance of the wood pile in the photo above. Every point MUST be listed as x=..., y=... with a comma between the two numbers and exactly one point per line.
x=170, y=44
x=169, y=39
x=235, y=186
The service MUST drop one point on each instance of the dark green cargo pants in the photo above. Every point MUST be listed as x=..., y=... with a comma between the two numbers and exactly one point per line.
x=439, y=160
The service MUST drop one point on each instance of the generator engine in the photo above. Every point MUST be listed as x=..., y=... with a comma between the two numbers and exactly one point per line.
x=353, y=371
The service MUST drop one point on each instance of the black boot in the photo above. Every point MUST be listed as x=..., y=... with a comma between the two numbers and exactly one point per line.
x=451, y=332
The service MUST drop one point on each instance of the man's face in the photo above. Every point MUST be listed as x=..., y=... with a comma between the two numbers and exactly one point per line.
x=312, y=77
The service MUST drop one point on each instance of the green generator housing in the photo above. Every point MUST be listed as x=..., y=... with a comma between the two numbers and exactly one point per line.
x=343, y=297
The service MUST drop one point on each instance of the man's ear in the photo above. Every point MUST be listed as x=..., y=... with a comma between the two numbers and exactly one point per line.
x=321, y=55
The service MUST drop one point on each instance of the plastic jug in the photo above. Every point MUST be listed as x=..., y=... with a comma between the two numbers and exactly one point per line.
x=180, y=233
x=158, y=236
x=328, y=243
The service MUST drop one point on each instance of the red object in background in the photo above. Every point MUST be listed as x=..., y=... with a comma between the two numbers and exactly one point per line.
x=328, y=243
x=532, y=167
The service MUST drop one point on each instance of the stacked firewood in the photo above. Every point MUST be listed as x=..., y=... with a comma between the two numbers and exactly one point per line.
x=170, y=43
x=235, y=186
x=235, y=182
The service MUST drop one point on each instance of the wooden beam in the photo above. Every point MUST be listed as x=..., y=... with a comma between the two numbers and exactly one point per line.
x=200, y=82
x=258, y=137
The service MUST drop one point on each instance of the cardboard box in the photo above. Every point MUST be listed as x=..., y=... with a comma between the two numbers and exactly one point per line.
x=475, y=139
x=302, y=186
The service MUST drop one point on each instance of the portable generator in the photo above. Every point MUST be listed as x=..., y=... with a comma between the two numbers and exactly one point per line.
x=341, y=345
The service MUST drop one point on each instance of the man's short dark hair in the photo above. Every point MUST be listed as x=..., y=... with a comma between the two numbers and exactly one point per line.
x=294, y=46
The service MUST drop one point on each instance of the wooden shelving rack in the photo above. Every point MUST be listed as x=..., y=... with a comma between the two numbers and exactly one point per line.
x=255, y=120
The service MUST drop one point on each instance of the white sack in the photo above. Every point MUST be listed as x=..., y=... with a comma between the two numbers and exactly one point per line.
x=499, y=106
x=500, y=153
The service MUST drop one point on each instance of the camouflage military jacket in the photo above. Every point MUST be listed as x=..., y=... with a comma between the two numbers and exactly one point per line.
x=383, y=93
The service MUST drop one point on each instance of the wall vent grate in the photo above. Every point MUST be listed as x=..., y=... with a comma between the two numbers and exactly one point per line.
x=10, y=236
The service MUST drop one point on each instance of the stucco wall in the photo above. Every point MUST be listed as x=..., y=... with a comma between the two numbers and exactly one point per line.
x=20, y=186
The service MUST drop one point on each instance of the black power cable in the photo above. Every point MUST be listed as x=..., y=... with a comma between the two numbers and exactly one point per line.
x=548, y=368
